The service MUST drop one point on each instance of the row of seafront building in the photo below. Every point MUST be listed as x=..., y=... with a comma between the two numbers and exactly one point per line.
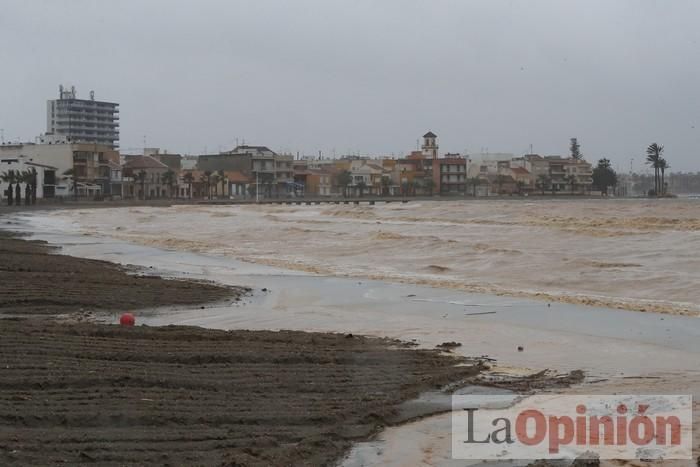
x=79, y=156
x=81, y=169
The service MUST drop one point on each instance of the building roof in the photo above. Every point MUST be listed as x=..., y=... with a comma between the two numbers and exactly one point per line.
x=520, y=171
x=36, y=164
x=430, y=134
x=236, y=176
x=251, y=149
x=144, y=162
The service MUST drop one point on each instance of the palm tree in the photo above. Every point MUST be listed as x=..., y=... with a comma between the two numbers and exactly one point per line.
x=10, y=178
x=188, y=178
x=344, y=179
x=215, y=183
x=654, y=155
x=361, y=185
x=33, y=180
x=221, y=176
x=18, y=193
x=25, y=177
x=28, y=188
x=386, y=183
x=206, y=179
x=141, y=178
x=663, y=165
x=168, y=179
x=430, y=186
x=474, y=182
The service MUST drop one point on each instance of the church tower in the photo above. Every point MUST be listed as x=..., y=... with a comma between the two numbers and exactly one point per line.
x=430, y=147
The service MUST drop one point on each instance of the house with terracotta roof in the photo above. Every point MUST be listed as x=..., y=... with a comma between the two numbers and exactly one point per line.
x=524, y=180
x=144, y=177
x=271, y=172
x=366, y=177
x=238, y=183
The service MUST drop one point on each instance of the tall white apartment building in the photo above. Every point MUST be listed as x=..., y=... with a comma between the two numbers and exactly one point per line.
x=82, y=120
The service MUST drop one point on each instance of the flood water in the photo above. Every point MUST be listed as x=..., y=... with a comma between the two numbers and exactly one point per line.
x=632, y=254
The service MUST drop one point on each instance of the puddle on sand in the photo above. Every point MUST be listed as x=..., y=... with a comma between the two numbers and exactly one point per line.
x=423, y=442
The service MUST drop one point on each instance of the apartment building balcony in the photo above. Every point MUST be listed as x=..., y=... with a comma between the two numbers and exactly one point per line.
x=85, y=104
x=264, y=169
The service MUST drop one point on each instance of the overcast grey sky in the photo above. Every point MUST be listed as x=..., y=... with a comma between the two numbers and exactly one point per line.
x=367, y=76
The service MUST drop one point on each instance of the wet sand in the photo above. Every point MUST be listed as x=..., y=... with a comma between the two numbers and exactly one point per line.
x=34, y=281
x=630, y=254
x=83, y=393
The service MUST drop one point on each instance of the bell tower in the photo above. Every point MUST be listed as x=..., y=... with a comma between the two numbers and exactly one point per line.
x=430, y=147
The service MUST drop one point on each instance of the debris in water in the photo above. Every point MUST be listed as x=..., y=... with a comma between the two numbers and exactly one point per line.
x=481, y=313
x=520, y=348
x=449, y=345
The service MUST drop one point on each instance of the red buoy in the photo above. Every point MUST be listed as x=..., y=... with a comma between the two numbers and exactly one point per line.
x=127, y=319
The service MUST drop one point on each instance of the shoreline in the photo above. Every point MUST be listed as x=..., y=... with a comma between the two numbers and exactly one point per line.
x=110, y=371
x=34, y=281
